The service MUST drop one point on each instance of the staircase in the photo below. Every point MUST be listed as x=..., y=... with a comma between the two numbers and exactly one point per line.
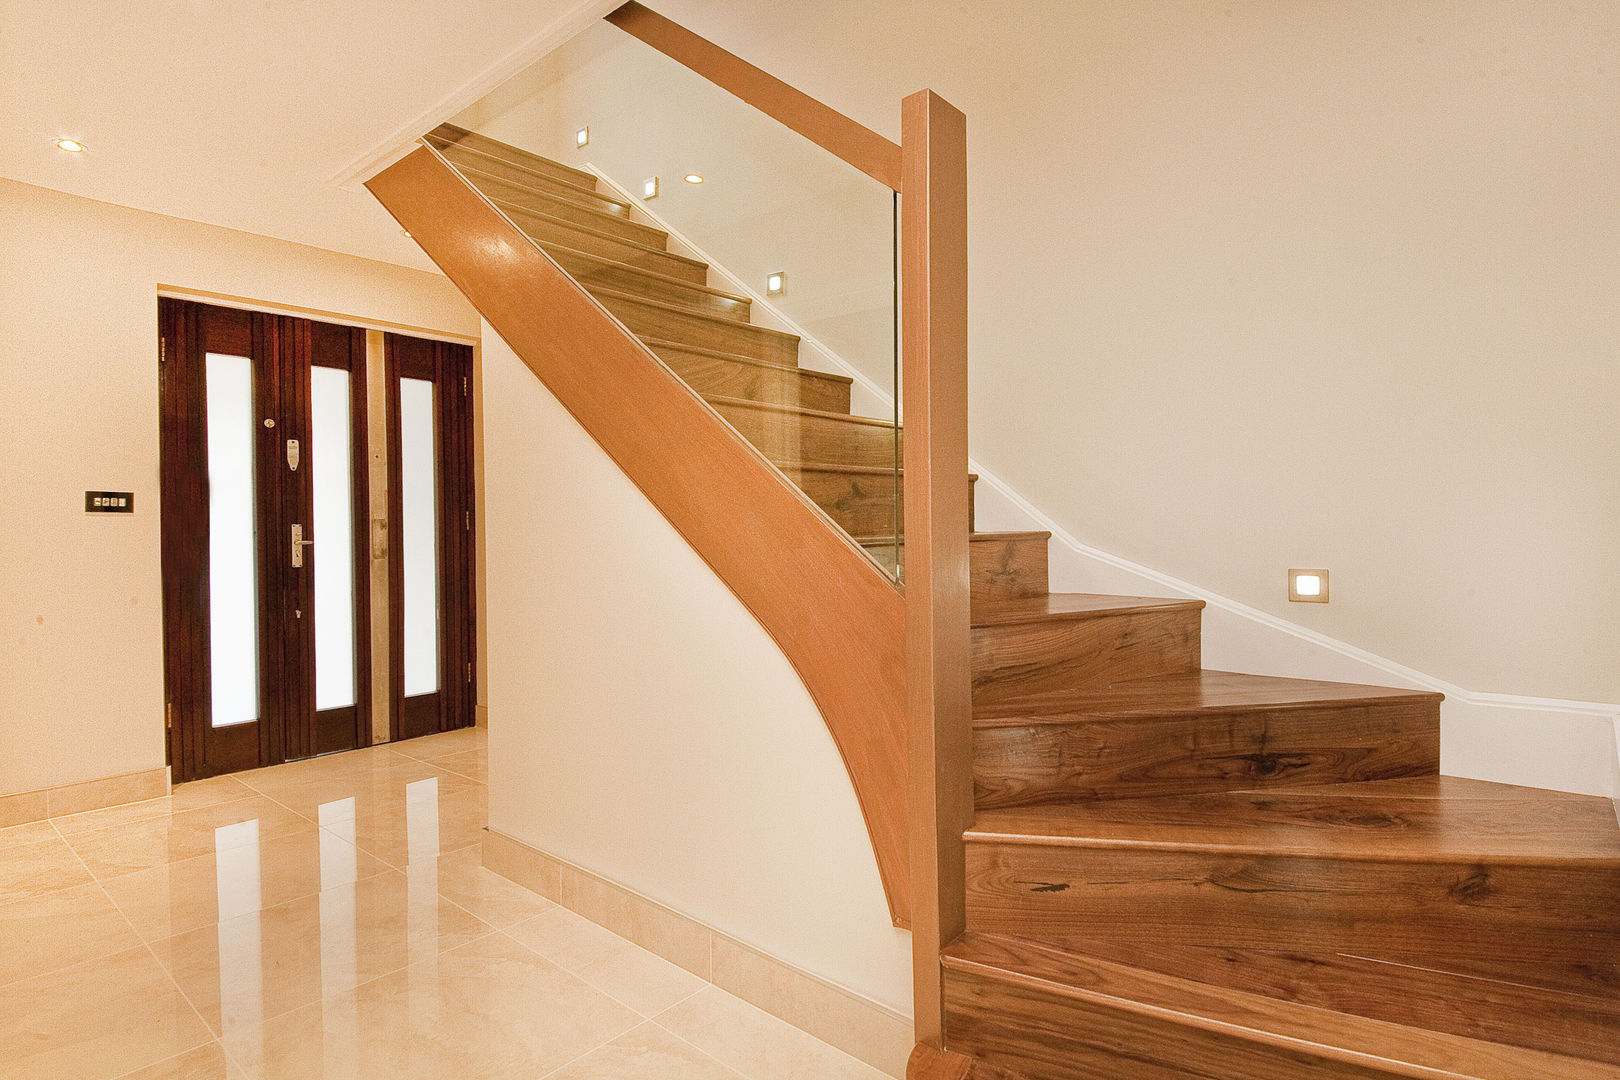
x=1174, y=873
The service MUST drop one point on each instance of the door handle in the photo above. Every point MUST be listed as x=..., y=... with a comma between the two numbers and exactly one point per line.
x=298, y=545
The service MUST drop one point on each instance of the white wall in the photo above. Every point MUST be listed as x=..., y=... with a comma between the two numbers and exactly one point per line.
x=643, y=725
x=81, y=667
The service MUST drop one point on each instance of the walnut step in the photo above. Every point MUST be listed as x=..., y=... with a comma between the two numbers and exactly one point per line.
x=1049, y=1014
x=607, y=217
x=472, y=143
x=1413, y=866
x=859, y=498
x=671, y=322
x=522, y=211
x=547, y=230
x=790, y=432
x=1197, y=732
x=712, y=371
x=1001, y=565
x=1570, y=1009
x=596, y=272
x=1068, y=640
x=531, y=186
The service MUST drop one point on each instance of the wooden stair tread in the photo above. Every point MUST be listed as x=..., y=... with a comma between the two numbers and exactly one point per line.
x=643, y=272
x=973, y=537
x=720, y=354
x=797, y=410
x=1073, y=606
x=1382, y=1047
x=694, y=312
x=1185, y=694
x=474, y=142
x=600, y=234
x=560, y=190
x=1412, y=819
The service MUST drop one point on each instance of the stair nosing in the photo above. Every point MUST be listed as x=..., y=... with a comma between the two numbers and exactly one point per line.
x=721, y=354
x=599, y=234
x=669, y=279
x=800, y=410
x=507, y=204
x=707, y=316
x=986, y=613
x=515, y=162
x=587, y=194
x=1483, y=1051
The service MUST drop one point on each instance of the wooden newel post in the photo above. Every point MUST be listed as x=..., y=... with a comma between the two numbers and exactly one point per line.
x=933, y=268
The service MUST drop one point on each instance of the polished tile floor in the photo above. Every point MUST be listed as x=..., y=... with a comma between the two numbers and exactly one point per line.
x=331, y=919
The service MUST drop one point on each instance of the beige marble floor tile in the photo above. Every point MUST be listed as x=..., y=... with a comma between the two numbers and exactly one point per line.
x=197, y=795
x=757, y=1044
x=425, y=819
x=429, y=747
x=488, y=1010
x=245, y=971
x=464, y=880
x=186, y=834
x=647, y=1053
x=59, y=929
x=96, y=1020
x=110, y=791
x=622, y=969
x=176, y=897
x=23, y=807
x=36, y=861
x=377, y=787
x=473, y=764
x=204, y=1063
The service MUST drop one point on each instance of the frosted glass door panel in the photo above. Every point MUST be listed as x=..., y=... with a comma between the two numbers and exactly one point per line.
x=419, y=533
x=233, y=593
x=331, y=462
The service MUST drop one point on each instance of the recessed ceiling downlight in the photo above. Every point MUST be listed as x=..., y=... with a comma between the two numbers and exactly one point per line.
x=72, y=146
x=692, y=178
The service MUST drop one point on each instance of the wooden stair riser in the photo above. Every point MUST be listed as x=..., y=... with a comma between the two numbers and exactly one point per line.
x=711, y=374
x=595, y=273
x=862, y=503
x=516, y=206
x=1018, y=659
x=811, y=437
x=544, y=189
x=1008, y=568
x=1135, y=757
x=483, y=148
x=549, y=230
x=1041, y=1036
x=1066, y=895
x=647, y=319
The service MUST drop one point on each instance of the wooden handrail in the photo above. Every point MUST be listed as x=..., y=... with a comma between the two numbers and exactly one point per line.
x=933, y=253
x=837, y=618
x=828, y=128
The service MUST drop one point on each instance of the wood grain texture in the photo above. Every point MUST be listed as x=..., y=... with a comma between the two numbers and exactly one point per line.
x=712, y=372
x=933, y=254
x=761, y=535
x=1007, y=566
x=1054, y=1015
x=595, y=272
x=522, y=185
x=546, y=209
x=1195, y=733
x=673, y=322
x=791, y=432
x=1055, y=643
x=1576, y=1007
x=856, y=144
x=453, y=138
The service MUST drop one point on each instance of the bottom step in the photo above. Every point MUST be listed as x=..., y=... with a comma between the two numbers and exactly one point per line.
x=1049, y=1014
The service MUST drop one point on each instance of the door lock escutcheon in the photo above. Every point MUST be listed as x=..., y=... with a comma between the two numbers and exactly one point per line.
x=298, y=545
x=292, y=454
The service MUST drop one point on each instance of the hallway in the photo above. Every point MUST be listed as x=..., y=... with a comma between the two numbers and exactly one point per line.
x=330, y=918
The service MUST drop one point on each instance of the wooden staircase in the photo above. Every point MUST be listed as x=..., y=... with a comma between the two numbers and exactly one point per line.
x=1174, y=873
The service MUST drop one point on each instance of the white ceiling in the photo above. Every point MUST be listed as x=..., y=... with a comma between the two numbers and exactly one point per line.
x=240, y=113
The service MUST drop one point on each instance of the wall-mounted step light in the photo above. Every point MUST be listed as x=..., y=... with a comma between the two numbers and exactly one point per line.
x=775, y=284
x=1308, y=586
x=582, y=136
x=649, y=188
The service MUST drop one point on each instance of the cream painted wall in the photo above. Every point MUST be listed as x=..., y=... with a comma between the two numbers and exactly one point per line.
x=644, y=726
x=1257, y=285
x=81, y=677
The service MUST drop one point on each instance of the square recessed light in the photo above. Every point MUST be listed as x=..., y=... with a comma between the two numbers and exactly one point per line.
x=775, y=284
x=1308, y=586
x=582, y=136
x=649, y=188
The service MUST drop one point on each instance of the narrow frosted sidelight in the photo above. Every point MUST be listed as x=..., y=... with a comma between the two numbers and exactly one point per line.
x=233, y=595
x=419, y=498
x=333, y=530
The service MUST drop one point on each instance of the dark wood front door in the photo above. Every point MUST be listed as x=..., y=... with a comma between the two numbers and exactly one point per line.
x=431, y=550
x=265, y=560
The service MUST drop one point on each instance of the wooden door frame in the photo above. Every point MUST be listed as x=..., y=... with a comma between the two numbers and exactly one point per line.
x=277, y=346
x=449, y=367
